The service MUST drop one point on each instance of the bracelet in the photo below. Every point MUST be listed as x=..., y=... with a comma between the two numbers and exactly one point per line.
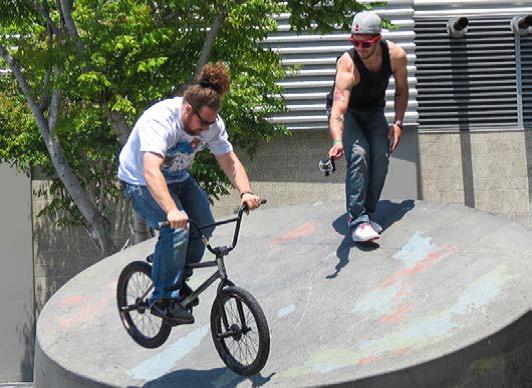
x=337, y=141
x=245, y=192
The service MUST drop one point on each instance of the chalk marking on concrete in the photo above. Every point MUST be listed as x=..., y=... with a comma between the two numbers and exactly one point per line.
x=163, y=362
x=303, y=230
x=423, y=332
x=286, y=310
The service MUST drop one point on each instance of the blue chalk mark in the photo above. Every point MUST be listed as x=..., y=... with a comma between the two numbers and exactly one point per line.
x=379, y=300
x=326, y=367
x=430, y=327
x=160, y=364
x=416, y=249
x=480, y=292
x=283, y=312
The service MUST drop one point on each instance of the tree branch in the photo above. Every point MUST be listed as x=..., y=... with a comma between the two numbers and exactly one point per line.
x=209, y=40
x=45, y=98
x=118, y=123
x=50, y=23
x=26, y=90
x=66, y=11
x=53, y=110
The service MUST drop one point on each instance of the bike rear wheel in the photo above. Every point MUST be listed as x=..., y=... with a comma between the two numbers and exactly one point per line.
x=132, y=293
x=240, y=331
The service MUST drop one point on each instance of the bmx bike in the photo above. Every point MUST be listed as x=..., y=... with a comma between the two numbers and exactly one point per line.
x=238, y=325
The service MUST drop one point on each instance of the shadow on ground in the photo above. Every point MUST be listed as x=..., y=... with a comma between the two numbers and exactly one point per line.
x=222, y=377
x=386, y=215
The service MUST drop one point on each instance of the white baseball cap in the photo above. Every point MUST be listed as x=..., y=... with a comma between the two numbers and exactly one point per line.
x=366, y=23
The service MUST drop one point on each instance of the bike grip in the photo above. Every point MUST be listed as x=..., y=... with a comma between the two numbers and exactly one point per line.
x=163, y=224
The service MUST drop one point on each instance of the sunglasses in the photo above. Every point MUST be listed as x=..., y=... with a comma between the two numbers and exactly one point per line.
x=364, y=43
x=203, y=122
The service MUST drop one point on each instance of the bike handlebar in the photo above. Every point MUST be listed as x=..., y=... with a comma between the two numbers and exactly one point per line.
x=236, y=219
x=241, y=210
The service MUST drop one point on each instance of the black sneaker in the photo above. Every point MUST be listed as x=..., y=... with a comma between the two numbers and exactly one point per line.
x=171, y=310
x=179, y=314
x=185, y=291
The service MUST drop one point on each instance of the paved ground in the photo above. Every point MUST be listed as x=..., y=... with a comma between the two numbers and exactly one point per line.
x=442, y=299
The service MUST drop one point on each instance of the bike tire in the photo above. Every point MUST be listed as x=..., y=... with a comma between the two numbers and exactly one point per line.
x=146, y=329
x=230, y=334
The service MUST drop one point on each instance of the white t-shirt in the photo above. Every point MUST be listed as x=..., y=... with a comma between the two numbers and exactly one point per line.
x=159, y=129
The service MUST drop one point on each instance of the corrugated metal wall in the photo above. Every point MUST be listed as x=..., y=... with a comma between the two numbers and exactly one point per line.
x=473, y=82
x=525, y=43
x=316, y=54
x=466, y=82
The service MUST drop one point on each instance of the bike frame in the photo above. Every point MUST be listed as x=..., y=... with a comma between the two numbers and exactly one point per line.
x=219, y=252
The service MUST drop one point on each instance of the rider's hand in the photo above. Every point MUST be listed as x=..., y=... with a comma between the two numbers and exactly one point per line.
x=336, y=151
x=177, y=219
x=394, y=136
x=252, y=201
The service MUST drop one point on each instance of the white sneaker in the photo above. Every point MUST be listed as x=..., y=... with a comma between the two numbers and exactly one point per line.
x=376, y=227
x=364, y=232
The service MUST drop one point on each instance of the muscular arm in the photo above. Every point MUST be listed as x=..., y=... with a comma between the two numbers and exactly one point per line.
x=400, y=74
x=235, y=171
x=342, y=91
x=159, y=189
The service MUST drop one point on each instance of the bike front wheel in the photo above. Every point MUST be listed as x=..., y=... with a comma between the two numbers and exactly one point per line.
x=132, y=293
x=240, y=331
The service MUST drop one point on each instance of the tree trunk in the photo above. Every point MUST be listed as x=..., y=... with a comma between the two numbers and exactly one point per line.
x=98, y=224
x=209, y=40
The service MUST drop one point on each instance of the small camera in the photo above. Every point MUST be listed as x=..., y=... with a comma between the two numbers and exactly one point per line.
x=327, y=166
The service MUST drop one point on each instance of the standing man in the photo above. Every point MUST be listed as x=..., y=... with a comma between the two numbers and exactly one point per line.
x=154, y=166
x=357, y=123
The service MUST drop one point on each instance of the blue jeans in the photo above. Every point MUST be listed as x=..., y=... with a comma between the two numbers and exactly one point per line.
x=175, y=247
x=367, y=152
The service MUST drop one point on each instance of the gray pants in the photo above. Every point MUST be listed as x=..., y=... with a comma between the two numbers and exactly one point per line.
x=367, y=152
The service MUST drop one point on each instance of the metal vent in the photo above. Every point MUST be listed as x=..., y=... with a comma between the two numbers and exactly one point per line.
x=316, y=55
x=468, y=82
x=526, y=79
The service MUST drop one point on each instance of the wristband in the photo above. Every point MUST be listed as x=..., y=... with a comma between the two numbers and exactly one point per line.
x=245, y=192
x=399, y=123
x=337, y=141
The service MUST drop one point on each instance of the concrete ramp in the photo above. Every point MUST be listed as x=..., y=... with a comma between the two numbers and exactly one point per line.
x=443, y=299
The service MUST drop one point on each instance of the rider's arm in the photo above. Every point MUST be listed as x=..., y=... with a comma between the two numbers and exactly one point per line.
x=235, y=171
x=159, y=189
x=344, y=81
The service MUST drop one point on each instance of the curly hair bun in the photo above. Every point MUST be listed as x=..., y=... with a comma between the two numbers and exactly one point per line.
x=215, y=76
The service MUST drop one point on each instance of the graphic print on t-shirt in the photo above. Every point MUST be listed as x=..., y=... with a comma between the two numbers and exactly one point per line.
x=179, y=157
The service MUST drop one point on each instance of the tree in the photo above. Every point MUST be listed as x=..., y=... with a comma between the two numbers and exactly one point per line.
x=87, y=69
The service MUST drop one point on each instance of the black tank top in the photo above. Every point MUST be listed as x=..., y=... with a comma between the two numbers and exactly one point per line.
x=370, y=91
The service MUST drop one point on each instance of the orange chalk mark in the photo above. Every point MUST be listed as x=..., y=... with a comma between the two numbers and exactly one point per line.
x=418, y=267
x=82, y=314
x=396, y=316
x=367, y=360
x=72, y=300
x=401, y=352
x=304, y=230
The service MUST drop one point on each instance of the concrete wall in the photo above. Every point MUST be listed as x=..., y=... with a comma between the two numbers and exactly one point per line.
x=16, y=278
x=285, y=171
x=62, y=252
x=486, y=170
